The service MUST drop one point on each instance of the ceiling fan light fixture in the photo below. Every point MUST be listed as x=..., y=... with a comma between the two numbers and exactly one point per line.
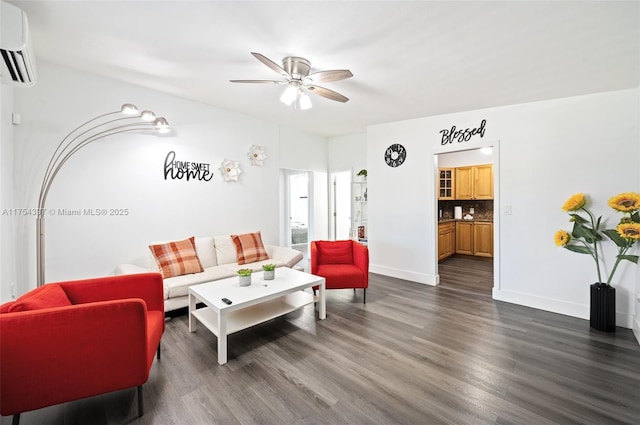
x=296, y=72
x=289, y=95
x=305, y=101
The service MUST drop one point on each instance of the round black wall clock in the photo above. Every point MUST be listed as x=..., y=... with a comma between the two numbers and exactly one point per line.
x=395, y=155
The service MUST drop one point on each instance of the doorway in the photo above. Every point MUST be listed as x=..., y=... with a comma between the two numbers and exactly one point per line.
x=467, y=219
x=341, y=205
x=297, y=217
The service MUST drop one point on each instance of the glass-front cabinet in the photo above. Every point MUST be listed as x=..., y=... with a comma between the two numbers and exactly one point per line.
x=446, y=183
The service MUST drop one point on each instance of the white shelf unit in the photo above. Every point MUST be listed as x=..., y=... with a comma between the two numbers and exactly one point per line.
x=359, y=206
x=250, y=316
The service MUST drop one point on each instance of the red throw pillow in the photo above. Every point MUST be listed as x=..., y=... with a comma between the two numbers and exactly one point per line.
x=177, y=258
x=47, y=296
x=335, y=252
x=249, y=248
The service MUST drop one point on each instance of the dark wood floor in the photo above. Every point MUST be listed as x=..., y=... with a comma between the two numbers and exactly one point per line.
x=414, y=354
x=467, y=273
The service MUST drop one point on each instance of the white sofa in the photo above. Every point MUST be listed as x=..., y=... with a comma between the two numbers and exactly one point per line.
x=219, y=260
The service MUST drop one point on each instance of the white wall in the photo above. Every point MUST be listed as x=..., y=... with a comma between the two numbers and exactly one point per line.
x=546, y=152
x=308, y=152
x=127, y=172
x=7, y=217
x=347, y=153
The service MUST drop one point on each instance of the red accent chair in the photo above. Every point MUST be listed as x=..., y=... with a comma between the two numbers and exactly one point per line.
x=343, y=264
x=70, y=340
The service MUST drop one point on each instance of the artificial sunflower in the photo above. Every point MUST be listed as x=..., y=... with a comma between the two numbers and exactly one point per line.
x=625, y=202
x=561, y=238
x=629, y=230
x=587, y=232
x=574, y=203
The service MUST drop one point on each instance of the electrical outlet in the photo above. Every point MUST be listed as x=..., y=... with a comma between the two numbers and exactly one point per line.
x=471, y=210
x=507, y=210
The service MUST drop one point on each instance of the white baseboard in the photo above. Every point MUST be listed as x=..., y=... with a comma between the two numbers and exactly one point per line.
x=555, y=306
x=636, y=329
x=404, y=274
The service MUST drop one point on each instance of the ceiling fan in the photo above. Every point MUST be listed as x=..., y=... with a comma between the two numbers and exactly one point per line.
x=295, y=72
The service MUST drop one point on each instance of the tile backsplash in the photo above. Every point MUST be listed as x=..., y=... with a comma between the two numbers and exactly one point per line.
x=483, y=209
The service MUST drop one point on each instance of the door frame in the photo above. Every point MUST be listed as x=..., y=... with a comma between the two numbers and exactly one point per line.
x=495, y=145
x=286, y=216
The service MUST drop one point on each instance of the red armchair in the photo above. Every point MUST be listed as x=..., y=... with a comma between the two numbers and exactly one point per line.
x=343, y=264
x=70, y=340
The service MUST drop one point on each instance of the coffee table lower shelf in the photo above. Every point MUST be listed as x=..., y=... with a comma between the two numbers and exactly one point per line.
x=244, y=318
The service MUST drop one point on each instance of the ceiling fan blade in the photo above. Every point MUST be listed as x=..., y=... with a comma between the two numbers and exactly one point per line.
x=258, y=81
x=328, y=76
x=329, y=94
x=271, y=64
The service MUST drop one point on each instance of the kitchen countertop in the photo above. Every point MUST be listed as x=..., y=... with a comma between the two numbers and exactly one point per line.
x=453, y=220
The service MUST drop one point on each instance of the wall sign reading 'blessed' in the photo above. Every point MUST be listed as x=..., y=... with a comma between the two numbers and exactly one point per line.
x=185, y=169
x=449, y=136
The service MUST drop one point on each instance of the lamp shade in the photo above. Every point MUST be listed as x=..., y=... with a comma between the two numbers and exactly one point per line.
x=129, y=109
x=289, y=95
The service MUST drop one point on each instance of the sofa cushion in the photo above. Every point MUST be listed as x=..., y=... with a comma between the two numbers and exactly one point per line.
x=176, y=258
x=47, y=296
x=225, y=249
x=338, y=276
x=335, y=252
x=255, y=266
x=249, y=248
x=179, y=286
x=206, y=250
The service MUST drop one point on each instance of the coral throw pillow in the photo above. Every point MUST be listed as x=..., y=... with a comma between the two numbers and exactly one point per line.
x=249, y=248
x=46, y=296
x=177, y=258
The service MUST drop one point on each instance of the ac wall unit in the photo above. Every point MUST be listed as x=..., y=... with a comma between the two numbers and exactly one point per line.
x=18, y=66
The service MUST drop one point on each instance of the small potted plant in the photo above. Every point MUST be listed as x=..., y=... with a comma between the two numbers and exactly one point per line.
x=244, y=276
x=268, y=271
x=362, y=173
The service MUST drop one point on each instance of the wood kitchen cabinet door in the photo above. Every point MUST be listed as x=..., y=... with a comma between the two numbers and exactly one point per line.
x=446, y=240
x=483, y=182
x=464, y=183
x=483, y=239
x=464, y=238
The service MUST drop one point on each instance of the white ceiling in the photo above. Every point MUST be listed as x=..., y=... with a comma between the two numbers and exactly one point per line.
x=409, y=59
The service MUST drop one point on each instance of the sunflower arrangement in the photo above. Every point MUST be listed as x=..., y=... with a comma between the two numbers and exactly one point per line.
x=586, y=233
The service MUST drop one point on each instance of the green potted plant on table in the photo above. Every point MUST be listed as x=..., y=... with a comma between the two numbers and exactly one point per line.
x=585, y=238
x=269, y=271
x=244, y=277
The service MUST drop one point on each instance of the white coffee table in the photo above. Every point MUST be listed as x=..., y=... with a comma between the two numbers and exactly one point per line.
x=262, y=301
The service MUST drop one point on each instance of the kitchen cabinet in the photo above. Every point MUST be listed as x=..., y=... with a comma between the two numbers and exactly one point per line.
x=474, y=182
x=446, y=240
x=446, y=186
x=464, y=238
x=483, y=239
x=474, y=238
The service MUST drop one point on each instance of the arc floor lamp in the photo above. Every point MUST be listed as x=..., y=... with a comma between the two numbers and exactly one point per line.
x=129, y=119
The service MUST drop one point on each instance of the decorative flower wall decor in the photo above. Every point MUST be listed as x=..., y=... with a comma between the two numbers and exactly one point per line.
x=256, y=155
x=230, y=170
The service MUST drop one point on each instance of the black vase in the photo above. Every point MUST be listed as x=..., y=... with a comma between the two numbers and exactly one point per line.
x=603, y=307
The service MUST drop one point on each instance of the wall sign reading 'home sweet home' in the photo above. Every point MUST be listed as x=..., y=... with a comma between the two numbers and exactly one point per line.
x=185, y=170
x=449, y=136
